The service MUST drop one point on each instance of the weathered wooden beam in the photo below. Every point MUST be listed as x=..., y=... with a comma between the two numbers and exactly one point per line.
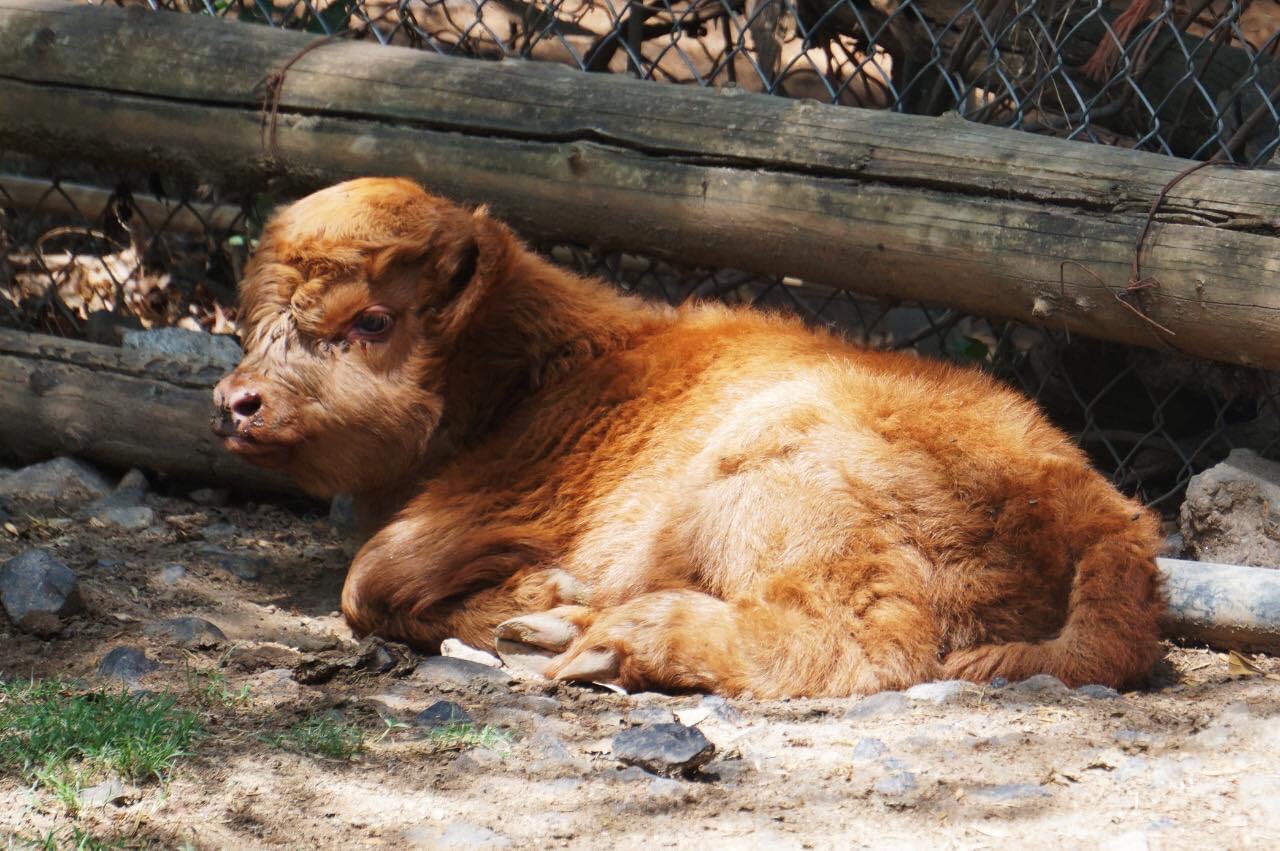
x=1226, y=606
x=120, y=408
x=936, y=210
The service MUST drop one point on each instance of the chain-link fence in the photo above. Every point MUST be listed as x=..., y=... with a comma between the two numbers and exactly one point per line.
x=87, y=253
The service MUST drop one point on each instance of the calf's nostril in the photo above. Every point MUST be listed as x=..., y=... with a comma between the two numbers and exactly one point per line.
x=245, y=404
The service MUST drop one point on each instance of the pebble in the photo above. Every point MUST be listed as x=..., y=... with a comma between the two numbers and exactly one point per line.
x=111, y=791
x=1098, y=692
x=445, y=670
x=537, y=704
x=172, y=573
x=215, y=497
x=133, y=518
x=1009, y=792
x=61, y=478
x=666, y=749
x=896, y=783
x=126, y=663
x=657, y=715
x=190, y=632
x=876, y=705
x=1041, y=685
x=942, y=692
x=240, y=565
x=441, y=714
x=869, y=749
x=39, y=592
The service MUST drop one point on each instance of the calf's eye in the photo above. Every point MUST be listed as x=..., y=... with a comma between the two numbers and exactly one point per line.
x=370, y=325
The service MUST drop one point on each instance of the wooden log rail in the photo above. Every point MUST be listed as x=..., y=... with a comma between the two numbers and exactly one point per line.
x=905, y=207
x=116, y=407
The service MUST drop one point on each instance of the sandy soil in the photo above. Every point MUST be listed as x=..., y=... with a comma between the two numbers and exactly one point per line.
x=1189, y=762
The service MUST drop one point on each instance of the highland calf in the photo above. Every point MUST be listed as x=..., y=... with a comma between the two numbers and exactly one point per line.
x=698, y=498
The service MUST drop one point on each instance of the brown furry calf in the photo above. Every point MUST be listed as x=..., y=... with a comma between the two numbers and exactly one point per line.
x=702, y=498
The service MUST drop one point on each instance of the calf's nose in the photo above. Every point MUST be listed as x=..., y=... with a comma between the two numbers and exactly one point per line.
x=236, y=402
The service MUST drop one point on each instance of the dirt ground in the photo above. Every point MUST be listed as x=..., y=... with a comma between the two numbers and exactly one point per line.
x=1189, y=763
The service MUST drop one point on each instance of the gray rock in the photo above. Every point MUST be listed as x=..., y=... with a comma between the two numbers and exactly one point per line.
x=1231, y=514
x=446, y=670
x=459, y=834
x=240, y=565
x=720, y=709
x=650, y=715
x=666, y=749
x=219, y=532
x=1010, y=792
x=1098, y=692
x=130, y=518
x=896, y=783
x=218, y=349
x=38, y=592
x=869, y=748
x=126, y=663
x=876, y=705
x=1040, y=686
x=111, y=791
x=171, y=574
x=441, y=714
x=943, y=691
x=216, y=497
x=190, y=632
x=61, y=478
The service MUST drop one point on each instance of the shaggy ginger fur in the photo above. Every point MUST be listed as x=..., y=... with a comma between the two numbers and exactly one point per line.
x=703, y=498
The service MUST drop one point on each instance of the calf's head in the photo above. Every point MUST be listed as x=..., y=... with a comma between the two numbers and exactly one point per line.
x=348, y=312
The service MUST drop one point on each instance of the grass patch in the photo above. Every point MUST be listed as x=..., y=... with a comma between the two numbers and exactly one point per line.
x=61, y=738
x=459, y=736
x=322, y=735
x=209, y=688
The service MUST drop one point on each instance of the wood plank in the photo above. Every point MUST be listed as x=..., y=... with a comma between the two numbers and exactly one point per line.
x=938, y=210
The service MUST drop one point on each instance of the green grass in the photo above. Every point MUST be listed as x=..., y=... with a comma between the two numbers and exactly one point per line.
x=322, y=735
x=61, y=738
x=209, y=688
x=455, y=736
x=71, y=838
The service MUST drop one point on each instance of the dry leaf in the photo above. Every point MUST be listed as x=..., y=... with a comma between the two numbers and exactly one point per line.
x=1239, y=666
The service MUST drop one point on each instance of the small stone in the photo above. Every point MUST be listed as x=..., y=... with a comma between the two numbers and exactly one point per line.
x=999, y=682
x=1010, y=792
x=129, y=664
x=720, y=709
x=111, y=791
x=172, y=573
x=883, y=703
x=1041, y=685
x=441, y=714
x=944, y=691
x=190, y=632
x=131, y=518
x=221, y=350
x=1098, y=692
x=666, y=749
x=38, y=592
x=219, y=532
x=444, y=670
x=896, y=783
x=133, y=485
x=61, y=478
x=455, y=649
x=653, y=715
x=869, y=749
x=240, y=565
x=216, y=497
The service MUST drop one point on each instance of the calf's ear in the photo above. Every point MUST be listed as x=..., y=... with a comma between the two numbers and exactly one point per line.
x=456, y=256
